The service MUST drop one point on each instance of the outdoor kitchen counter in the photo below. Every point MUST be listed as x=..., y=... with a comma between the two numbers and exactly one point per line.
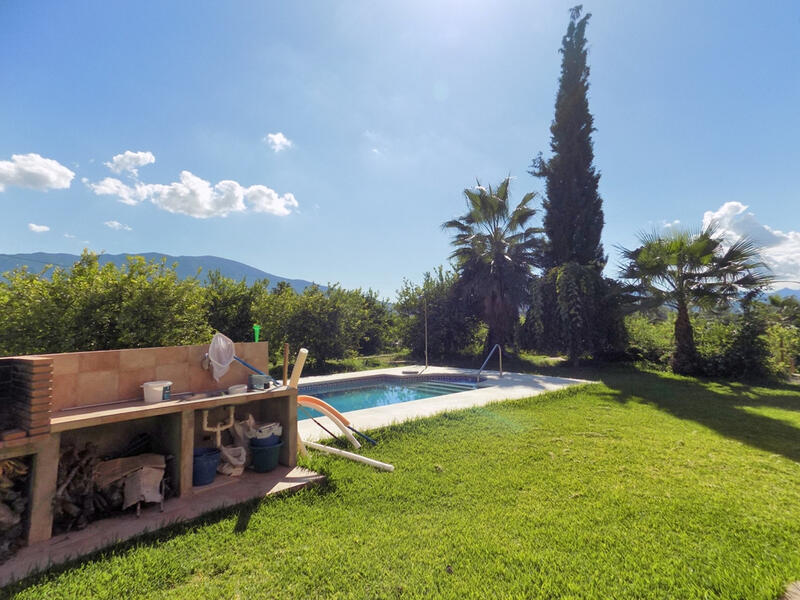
x=89, y=416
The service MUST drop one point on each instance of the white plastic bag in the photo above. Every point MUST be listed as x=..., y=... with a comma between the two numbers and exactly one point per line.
x=233, y=460
x=242, y=431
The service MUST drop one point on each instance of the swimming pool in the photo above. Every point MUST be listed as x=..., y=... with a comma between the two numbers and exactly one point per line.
x=369, y=392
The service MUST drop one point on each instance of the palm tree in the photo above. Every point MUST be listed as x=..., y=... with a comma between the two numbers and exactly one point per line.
x=495, y=249
x=686, y=269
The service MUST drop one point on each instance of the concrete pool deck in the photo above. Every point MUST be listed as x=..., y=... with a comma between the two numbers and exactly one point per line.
x=495, y=388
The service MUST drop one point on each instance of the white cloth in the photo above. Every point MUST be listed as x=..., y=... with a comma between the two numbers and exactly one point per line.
x=143, y=485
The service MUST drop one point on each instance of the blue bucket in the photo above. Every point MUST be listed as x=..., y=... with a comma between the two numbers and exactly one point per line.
x=204, y=468
x=270, y=440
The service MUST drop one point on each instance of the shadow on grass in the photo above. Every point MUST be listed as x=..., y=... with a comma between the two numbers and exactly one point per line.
x=715, y=404
x=243, y=513
x=719, y=407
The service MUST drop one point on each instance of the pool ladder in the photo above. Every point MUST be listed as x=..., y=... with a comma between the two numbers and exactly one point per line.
x=500, y=357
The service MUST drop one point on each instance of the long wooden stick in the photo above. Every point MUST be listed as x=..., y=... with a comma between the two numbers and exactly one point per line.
x=285, y=364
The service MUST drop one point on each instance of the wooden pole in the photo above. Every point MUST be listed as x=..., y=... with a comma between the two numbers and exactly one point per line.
x=285, y=364
x=425, y=308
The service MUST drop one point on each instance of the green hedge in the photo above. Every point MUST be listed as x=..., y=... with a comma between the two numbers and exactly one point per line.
x=142, y=304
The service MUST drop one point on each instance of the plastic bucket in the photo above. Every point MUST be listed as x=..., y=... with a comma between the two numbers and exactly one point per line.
x=270, y=440
x=257, y=382
x=265, y=458
x=156, y=391
x=204, y=468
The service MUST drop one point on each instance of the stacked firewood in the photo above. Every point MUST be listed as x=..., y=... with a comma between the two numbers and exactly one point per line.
x=74, y=502
x=13, y=502
x=78, y=500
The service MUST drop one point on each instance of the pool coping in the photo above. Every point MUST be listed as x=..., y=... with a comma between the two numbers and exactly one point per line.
x=493, y=388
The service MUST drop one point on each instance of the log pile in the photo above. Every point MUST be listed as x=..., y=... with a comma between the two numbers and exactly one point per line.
x=13, y=503
x=78, y=500
x=74, y=503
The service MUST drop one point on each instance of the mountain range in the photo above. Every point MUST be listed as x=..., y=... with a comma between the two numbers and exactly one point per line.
x=187, y=266
x=785, y=293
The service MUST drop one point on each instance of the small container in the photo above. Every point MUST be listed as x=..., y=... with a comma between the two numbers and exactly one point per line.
x=204, y=468
x=157, y=391
x=257, y=382
x=265, y=458
x=239, y=388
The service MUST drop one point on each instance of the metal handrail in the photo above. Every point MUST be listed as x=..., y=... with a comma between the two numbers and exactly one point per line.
x=500, y=356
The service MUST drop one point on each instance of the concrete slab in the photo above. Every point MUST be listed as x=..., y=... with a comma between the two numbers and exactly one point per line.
x=223, y=492
x=494, y=389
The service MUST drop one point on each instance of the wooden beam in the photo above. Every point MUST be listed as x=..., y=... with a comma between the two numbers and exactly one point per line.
x=43, y=489
x=185, y=456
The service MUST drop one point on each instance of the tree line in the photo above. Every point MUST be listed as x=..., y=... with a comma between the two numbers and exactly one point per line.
x=144, y=304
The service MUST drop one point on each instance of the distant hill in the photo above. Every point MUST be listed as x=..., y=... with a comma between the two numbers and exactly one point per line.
x=187, y=265
x=785, y=292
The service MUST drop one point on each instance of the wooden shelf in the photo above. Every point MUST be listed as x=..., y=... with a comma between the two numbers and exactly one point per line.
x=79, y=418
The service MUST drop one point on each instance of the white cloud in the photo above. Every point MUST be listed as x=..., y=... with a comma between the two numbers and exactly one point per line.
x=278, y=141
x=197, y=198
x=130, y=161
x=780, y=250
x=35, y=172
x=263, y=199
x=111, y=186
x=117, y=225
x=69, y=236
x=38, y=228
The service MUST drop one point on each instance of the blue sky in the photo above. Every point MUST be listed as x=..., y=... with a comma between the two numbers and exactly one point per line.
x=390, y=109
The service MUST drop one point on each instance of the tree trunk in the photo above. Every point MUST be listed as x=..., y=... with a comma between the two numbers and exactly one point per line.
x=496, y=321
x=684, y=359
x=574, y=357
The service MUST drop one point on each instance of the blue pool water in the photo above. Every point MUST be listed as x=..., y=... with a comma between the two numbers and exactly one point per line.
x=361, y=396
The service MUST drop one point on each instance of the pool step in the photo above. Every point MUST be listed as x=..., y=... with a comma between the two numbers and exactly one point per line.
x=447, y=385
x=440, y=388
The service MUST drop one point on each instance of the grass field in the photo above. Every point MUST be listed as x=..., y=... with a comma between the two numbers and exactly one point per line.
x=645, y=485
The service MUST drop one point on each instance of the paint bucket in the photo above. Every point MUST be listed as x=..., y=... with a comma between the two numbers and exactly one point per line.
x=204, y=468
x=156, y=391
x=265, y=458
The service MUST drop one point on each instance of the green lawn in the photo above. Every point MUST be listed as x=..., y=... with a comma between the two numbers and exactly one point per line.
x=644, y=486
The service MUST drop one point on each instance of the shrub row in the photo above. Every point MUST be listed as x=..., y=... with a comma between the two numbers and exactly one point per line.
x=142, y=304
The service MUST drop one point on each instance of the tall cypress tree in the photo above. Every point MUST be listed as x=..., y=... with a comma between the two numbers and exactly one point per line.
x=573, y=219
x=573, y=308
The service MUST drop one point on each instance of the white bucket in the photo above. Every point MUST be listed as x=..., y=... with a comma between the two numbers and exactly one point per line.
x=156, y=391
